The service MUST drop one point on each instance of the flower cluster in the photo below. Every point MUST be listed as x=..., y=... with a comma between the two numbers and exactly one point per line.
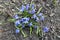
x=28, y=17
x=45, y=29
x=28, y=14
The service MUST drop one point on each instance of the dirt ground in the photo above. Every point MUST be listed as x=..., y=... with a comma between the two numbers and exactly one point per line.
x=7, y=29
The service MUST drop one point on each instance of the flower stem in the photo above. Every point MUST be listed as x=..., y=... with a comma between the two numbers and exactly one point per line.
x=30, y=30
x=54, y=2
x=37, y=30
x=39, y=10
x=25, y=35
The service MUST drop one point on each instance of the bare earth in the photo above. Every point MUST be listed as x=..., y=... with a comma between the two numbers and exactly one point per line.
x=7, y=29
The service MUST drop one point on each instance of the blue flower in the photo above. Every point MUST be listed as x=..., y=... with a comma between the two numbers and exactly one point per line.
x=33, y=11
x=34, y=16
x=30, y=24
x=37, y=19
x=17, y=30
x=27, y=6
x=16, y=16
x=22, y=8
x=25, y=20
x=32, y=6
x=45, y=29
x=42, y=18
x=40, y=14
x=17, y=22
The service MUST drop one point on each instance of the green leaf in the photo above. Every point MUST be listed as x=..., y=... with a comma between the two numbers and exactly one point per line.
x=34, y=22
x=39, y=10
x=54, y=2
x=11, y=20
x=37, y=31
x=26, y=14
x=31, y=30
x=24, y=34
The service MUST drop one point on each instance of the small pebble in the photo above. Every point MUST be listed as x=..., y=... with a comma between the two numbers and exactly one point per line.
x=58, y=36
x=13, y=9
x=1, y=6
x=47, y=5
x=52, y=14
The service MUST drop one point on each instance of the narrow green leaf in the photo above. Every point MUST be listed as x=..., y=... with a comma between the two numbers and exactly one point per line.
x=37, y=30
x=54, y=2
x=39, y=10
x=30, y=30
x=11, y=20
x=24, y=34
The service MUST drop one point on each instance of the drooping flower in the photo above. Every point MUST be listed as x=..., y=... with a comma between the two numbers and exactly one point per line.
x=22, y=8
x=17, y=31
x=37, y=19
x=17, y=22
x=33, y=11
x=32, y=6
x=27, y=6
x=42, y=18
x=25, y=20
x=40, y=14
x=16, y=16
x=45, y=29
x=34, y=16
x=30, y=24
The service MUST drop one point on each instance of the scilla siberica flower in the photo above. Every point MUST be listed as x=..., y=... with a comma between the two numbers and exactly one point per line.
x=42, y=18
x=33, y=11
x=17, y=22
x=27, y=6
x=22, y=8
x=17, y=31
x=40, y=14
x=45, y=29
x=37, y=19
x=25, y=20
x=34, y=16
x=16, y=16
x=30, y=24
x=32, y=6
